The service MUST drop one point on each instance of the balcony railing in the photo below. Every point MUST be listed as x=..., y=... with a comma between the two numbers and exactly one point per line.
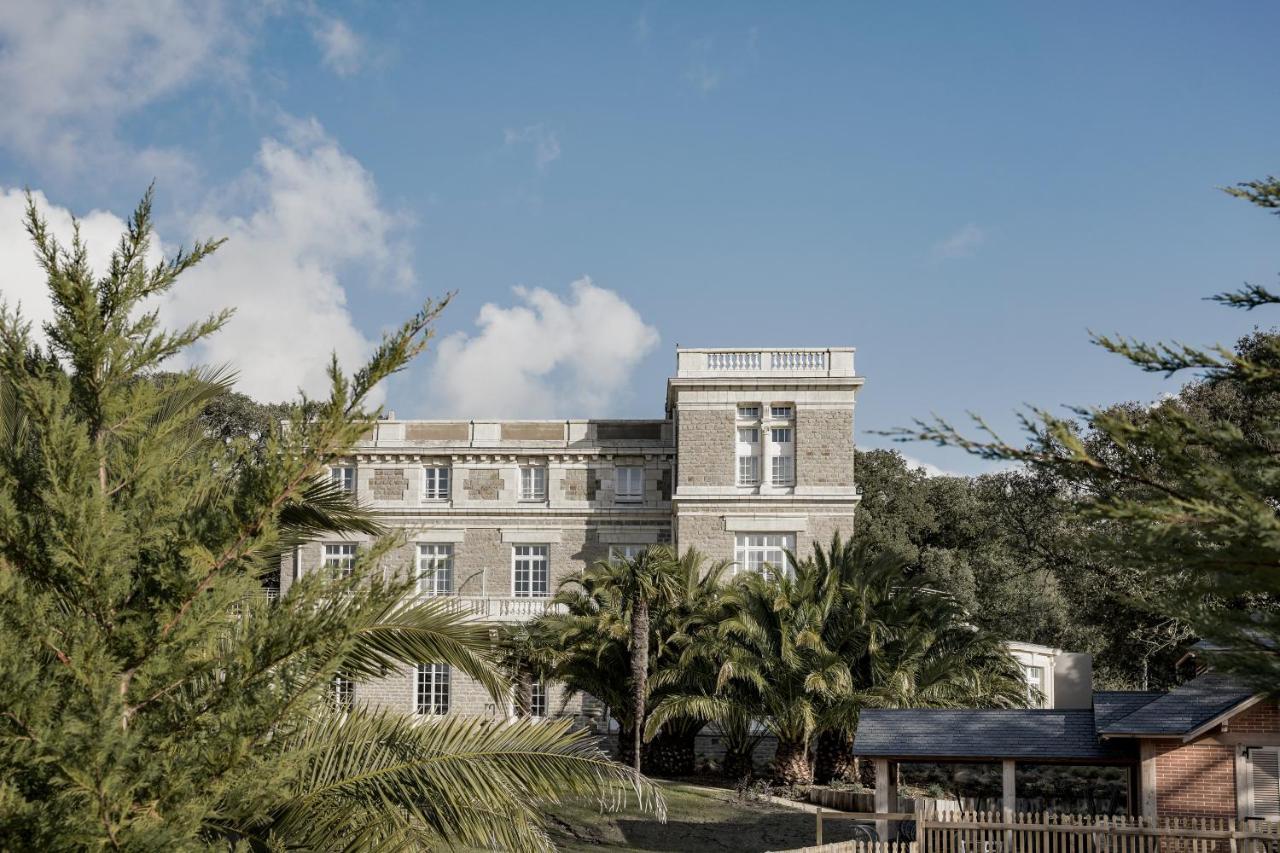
x=500, y=608
x=791, y=361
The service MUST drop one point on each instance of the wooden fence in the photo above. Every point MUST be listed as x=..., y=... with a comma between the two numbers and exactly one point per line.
x=990, y=832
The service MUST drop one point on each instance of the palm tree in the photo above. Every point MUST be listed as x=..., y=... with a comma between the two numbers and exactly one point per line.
x=596, y=647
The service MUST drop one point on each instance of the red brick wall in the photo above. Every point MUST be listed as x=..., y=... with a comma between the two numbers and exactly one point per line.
x=1195, y=780
x=1262, y=718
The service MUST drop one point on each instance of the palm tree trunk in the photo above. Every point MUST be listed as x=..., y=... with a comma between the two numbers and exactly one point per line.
x=791, y=763
x=835, y=757
x=639, y=671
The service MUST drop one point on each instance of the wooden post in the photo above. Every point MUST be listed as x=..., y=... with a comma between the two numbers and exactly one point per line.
x=1147, y=755
x=1009, y=798
x=818, y=814
x=886, y=797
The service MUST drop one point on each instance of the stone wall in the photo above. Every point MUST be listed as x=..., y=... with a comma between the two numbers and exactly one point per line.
x=824, y=447
x=705, y=454
x=483, y=484
x=702, y=526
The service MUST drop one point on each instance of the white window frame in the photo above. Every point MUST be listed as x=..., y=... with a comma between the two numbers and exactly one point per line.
x=533, y=483
x=627, y=551
x=747, y=452
x=342, y=692
x=538, y=704
x=748, y=411
x=783, y=412
x=1035, y=676
x=436, y=483
x=344, y=476
x=536, y=556
x=339, y=558
x=435, y=568
x=628, y=484
x=746, y=549
x=431, y=689
x=782, y=470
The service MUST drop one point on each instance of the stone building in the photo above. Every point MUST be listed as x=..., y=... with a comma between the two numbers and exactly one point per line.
x=753, y=457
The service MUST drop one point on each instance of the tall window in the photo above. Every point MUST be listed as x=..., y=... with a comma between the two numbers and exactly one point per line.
x=435, y=569
x=538, y=700
x=342, y=691
x=533, y=483
x=340, y=558
x=1035, y=685
x=435, y=484
x=782, y=458
x=628, y=484
x=1264, y=778
x=625, y=552
x=431, y=695
x=530, y=577
x=748, y=456
x=764, y=552
x=345, y=478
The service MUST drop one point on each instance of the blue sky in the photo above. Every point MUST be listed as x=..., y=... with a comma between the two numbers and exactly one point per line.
x=961, y=191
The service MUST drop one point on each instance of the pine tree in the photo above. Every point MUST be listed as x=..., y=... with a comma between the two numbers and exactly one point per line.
x=154, y=697
x=1188, y=490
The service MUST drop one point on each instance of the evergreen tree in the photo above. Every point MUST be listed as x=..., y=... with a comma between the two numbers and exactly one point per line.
x=1184, y=492
x=154, y=697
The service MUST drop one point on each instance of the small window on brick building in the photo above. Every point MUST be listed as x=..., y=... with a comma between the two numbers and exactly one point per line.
x=628, y=484
x=344, y=478
x=533, y=483
x=781, y=413
x=342, y=691
x=748, y=413
x=530, y=571
x=431, y=694
x=435, y=484
x=340, y=558
x=435, y=569
x=538, y=699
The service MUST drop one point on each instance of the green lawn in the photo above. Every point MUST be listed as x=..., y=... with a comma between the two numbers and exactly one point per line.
x=698, y=819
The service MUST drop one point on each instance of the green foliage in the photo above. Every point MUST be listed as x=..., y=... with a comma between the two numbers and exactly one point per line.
x=154, y=697
x=848, y=630
x=1183, y=494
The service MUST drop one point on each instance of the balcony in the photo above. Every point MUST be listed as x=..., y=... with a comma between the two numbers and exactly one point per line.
x=500, y=608
x=798, y=362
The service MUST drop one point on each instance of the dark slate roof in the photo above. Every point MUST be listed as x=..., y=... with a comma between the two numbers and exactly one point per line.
x=1029, y=735
x=1183, y=710
x=1112, y=705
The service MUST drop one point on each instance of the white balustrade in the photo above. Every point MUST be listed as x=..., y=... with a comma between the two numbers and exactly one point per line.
x=726, y=360
x=798, y=360
x=502, y=608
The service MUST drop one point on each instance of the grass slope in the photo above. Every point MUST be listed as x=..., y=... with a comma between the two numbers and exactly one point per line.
x=698, y=819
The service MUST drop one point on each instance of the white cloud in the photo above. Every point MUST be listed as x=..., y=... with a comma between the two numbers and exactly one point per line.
x=545, y=357
x=304, y=219
x=341, y=48
x=929, y=469
x=22, y=282
x=544, y=142
x=71, y=71
x=961, y=244
x=315, y=219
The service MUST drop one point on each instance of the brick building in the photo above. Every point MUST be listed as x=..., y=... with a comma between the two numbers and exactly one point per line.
x=1206, y=749
x=753, y=456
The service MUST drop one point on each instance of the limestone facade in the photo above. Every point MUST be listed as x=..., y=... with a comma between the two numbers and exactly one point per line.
x=515, y=507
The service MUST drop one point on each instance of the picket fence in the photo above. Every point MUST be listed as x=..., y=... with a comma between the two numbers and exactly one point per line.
x=991, y=832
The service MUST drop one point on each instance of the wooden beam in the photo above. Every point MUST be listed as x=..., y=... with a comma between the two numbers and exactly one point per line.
x=1148, y=783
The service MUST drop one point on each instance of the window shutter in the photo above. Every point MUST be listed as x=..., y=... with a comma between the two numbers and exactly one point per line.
x=1264, y=776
